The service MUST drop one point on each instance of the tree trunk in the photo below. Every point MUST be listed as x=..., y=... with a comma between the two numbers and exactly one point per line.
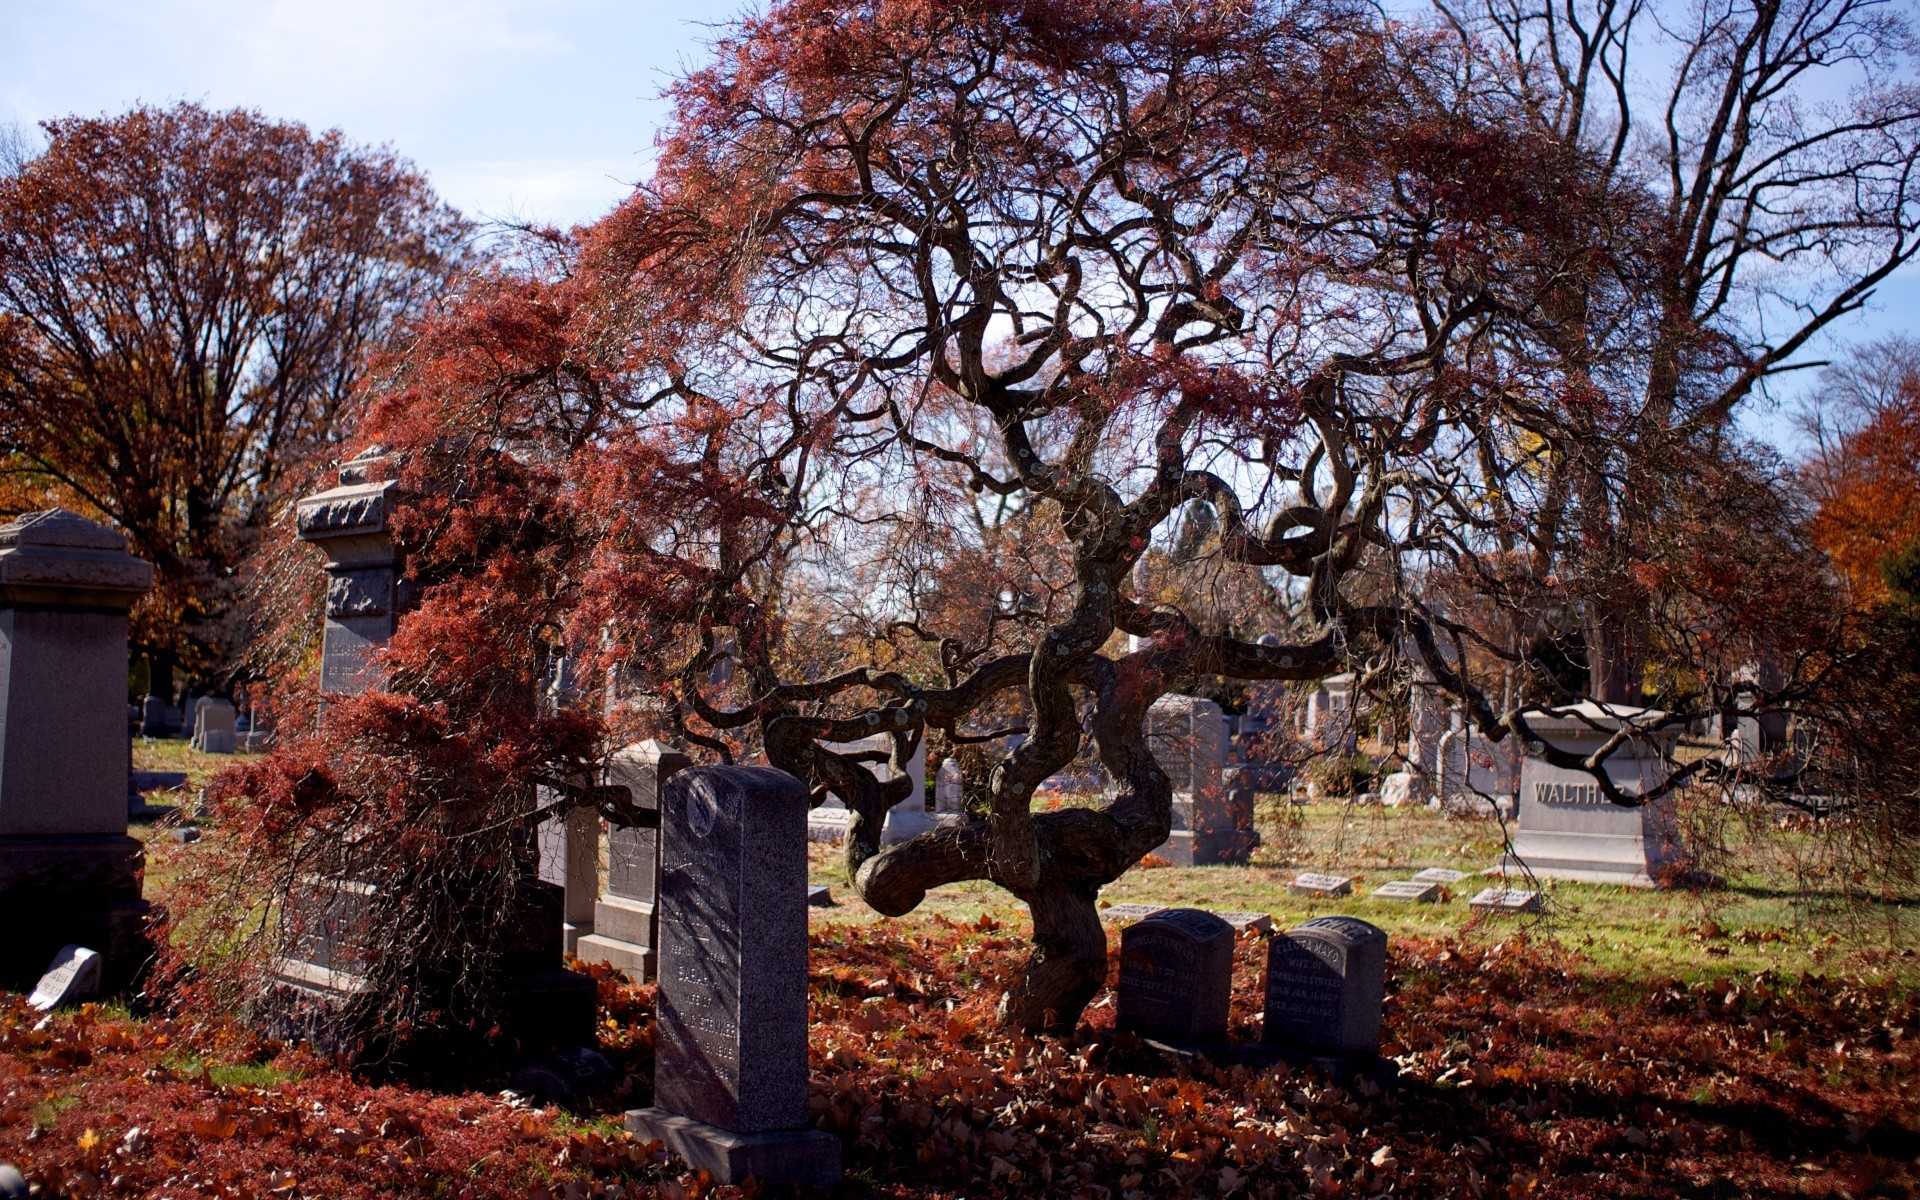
x=1612, y=667
x=1068, y=966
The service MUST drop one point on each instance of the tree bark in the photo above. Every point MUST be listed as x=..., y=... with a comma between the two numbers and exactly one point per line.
x=1068, y=965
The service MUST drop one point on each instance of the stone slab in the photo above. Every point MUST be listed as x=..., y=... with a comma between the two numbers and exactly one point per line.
x=1243, y=921
x=1313, y=883
x=74, y=976
x=638, y=962
x=1130, y=912
x=1506, y=900
x=1440, y=875
x=1409, y=889
x=808, y=1156
x=819, y=897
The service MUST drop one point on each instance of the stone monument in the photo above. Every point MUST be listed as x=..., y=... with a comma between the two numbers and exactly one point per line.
x=69, y=874
x=1568, y=829
x=730, y=1053
x=318, y=979
x=949, y=788
x=1176, y=977
x=213, y=727
x=626, y=921
x=1212, y=810
x=1326, y=984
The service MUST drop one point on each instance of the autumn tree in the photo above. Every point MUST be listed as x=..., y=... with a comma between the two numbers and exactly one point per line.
x=1774, y=144
x=1864, y=464
x=187, y=303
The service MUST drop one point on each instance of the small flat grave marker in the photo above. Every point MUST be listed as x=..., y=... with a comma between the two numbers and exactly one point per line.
x=1243, y=921
x=1311, y=883
x=1440, y=875
x=1409, y=889
x=1506, y=900
x=1326, y=982
x=1176, y=977
x=819, y=897
x=74, y=975
x=1130, y=912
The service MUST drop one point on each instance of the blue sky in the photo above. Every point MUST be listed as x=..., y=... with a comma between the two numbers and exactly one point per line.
x=528, y=109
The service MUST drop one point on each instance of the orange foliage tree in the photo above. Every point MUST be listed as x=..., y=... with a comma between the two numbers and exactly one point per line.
x=187, y=300
x=1871, y=512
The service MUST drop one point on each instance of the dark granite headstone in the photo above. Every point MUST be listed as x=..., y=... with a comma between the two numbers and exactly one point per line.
x=1176, y=977
x=1326, y=981
x=730, y=1053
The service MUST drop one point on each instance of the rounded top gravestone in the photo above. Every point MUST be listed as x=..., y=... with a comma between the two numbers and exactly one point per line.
x=1176, y=976
x=1326, y=980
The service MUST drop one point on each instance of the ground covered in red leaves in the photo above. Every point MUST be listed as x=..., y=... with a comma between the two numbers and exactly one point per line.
x=1520, y=1075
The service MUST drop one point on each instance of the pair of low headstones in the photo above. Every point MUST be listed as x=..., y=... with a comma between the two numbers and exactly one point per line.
x=1325, y=984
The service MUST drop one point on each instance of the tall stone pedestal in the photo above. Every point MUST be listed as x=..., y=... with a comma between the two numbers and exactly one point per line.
x=730, y=1055
x=1212, y=809
x=68, y=871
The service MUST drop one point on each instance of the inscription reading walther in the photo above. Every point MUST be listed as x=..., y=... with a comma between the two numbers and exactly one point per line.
x=1569, y=794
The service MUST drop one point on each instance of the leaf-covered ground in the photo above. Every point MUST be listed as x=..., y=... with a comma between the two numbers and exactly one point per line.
x=1523, y=1072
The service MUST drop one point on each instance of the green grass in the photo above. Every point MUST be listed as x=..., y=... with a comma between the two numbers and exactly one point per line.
x=250, y=1074
x=1759, y=919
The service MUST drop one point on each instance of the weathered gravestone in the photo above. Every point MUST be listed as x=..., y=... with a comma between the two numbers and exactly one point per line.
x=949, y=788
x=1569, y=829
x=1212, y=808
x=1314, y=883
x=69, y=874
x=1506, y=900
x=1176, y=977
x=626, y=921
x=74, y=975
x=1130, y=912
x=1326, y=984
x=730, y=1052
x=1409, y=889
x=1444, y=875
x=213, y=727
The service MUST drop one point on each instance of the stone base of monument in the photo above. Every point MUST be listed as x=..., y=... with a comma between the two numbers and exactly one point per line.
x=622, y=937
x=1208, y=847
x=809, y=1156
x=1594, y=858
x=81, y=889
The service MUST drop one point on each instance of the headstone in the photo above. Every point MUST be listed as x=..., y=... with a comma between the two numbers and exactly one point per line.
x=1330, y=718
x=1569, y=829
x=1440, y=875
x=69, y=874
x=185, y=835
x=1176, y=977
x=213, y=727
x=1212, y=808
x=907, y=818
x=949, y=788
x=626, y=921
x=1475, y=776
x=1396, y=790
x=1506, y=900
x=1326, y=983
x=819, y=897
x=1243, y=921
x=1130, y=912
x=153, y=718
x=730, y=1050
x=74, y=975
x=13, y=1185
x=1409, y=889
x=1313, y=883
x=828, y=823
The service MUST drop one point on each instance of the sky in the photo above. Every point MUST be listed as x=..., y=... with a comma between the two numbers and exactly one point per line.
x=526, y=110
x=540, y=109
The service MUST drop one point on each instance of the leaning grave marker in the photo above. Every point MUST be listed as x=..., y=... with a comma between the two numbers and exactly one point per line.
x=1326, y=986
x=730, y=1058
x=1176, y=977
